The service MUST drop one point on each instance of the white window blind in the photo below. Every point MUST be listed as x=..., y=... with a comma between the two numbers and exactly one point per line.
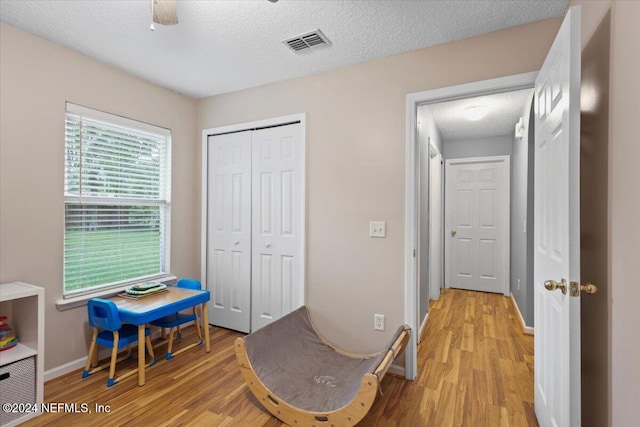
x=117, y=200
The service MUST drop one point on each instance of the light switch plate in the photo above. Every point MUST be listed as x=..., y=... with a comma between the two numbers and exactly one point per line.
x=377, y=229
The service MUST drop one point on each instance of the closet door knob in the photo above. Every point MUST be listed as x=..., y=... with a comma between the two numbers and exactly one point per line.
x=267, y=245
x=237, y=242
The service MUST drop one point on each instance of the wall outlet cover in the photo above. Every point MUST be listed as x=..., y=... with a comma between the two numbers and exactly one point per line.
x=377, y=229
x=378, y=322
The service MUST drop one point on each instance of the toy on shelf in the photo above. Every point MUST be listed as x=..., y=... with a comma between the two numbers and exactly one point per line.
x=7, y=337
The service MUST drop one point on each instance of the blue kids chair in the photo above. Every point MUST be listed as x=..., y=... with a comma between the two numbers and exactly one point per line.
x=176, y=319
x=108, y=331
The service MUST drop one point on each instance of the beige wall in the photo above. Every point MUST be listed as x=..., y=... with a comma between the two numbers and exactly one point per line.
x=624, y=201
x=37, y=77
x=624, y=178
x=595, y=310
x=356, y=165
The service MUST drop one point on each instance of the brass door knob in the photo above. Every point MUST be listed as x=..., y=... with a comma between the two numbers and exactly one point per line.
x=453, y=233
x=552, y=285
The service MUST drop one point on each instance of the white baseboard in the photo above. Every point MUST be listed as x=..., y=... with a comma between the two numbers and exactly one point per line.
x=64, y=369
x=422, y=325
x=525, y=329
x=397, y=370
x=77, y=364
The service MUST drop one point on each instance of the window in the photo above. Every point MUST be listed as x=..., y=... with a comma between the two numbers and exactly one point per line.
x=116, y=201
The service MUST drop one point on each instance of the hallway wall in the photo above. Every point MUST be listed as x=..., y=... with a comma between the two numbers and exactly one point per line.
x=501, y=145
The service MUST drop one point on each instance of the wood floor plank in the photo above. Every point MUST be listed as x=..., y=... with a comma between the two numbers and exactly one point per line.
x=467, y=337
x=475, y=369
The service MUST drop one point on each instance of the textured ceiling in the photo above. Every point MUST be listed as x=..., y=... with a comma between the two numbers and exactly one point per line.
x=223, y=46
x=504, y=110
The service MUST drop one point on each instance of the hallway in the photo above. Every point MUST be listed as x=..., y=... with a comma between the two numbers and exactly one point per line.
x=475, y=368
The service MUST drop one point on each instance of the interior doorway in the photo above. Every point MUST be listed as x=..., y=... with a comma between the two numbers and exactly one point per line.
x=436, y=222
x=430, y=227
x=416, y=126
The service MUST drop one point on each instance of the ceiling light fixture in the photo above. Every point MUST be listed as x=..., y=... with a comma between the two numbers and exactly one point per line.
x=164, y=12
x=475, y=112
x=520, y=128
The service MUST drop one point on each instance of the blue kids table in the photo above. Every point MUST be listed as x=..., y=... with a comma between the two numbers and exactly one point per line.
x=142, y=311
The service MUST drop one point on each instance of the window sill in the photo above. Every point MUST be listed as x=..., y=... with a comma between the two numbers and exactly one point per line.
x=80, y=301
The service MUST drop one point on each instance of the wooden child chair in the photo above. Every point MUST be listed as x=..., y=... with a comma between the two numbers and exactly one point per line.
x=173, y=321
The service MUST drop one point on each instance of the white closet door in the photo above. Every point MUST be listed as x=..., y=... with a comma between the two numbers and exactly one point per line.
x=229, y=230
x=278, y=209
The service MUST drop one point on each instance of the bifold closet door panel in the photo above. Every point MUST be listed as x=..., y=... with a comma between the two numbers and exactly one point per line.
x=229, y=230
x=277, y=231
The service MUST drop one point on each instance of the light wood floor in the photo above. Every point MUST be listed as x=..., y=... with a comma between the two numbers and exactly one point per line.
x=476, y=369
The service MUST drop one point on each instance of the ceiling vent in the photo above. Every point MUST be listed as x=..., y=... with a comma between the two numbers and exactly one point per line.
x=307, y=41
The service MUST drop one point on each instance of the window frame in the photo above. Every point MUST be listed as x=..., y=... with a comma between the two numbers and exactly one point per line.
x=165, y=203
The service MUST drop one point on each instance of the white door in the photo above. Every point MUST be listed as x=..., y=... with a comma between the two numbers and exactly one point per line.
x=557, y=229
x=477, y=223
x=435, y=226
x=229, y=230
x=278, y=206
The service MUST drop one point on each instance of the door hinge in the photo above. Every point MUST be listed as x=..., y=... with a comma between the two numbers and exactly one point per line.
x=414, y=253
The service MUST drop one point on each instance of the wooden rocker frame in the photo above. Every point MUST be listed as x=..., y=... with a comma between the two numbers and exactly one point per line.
x=348, y=415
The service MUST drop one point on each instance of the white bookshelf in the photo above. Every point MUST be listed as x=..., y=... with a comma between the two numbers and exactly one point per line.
x=23, y=304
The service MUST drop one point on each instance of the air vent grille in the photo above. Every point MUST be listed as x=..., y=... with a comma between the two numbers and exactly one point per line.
x=307, y=41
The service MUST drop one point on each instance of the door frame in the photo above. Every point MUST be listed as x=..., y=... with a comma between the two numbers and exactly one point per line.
x=450, y=93
x=506, y=210
x=240, y=127
x=434, y=288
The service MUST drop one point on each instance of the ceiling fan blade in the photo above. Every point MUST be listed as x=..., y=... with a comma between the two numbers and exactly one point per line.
x=164, y=12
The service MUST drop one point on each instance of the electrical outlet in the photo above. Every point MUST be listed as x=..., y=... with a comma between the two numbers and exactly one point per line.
x=378, y=322
x=377, y=229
